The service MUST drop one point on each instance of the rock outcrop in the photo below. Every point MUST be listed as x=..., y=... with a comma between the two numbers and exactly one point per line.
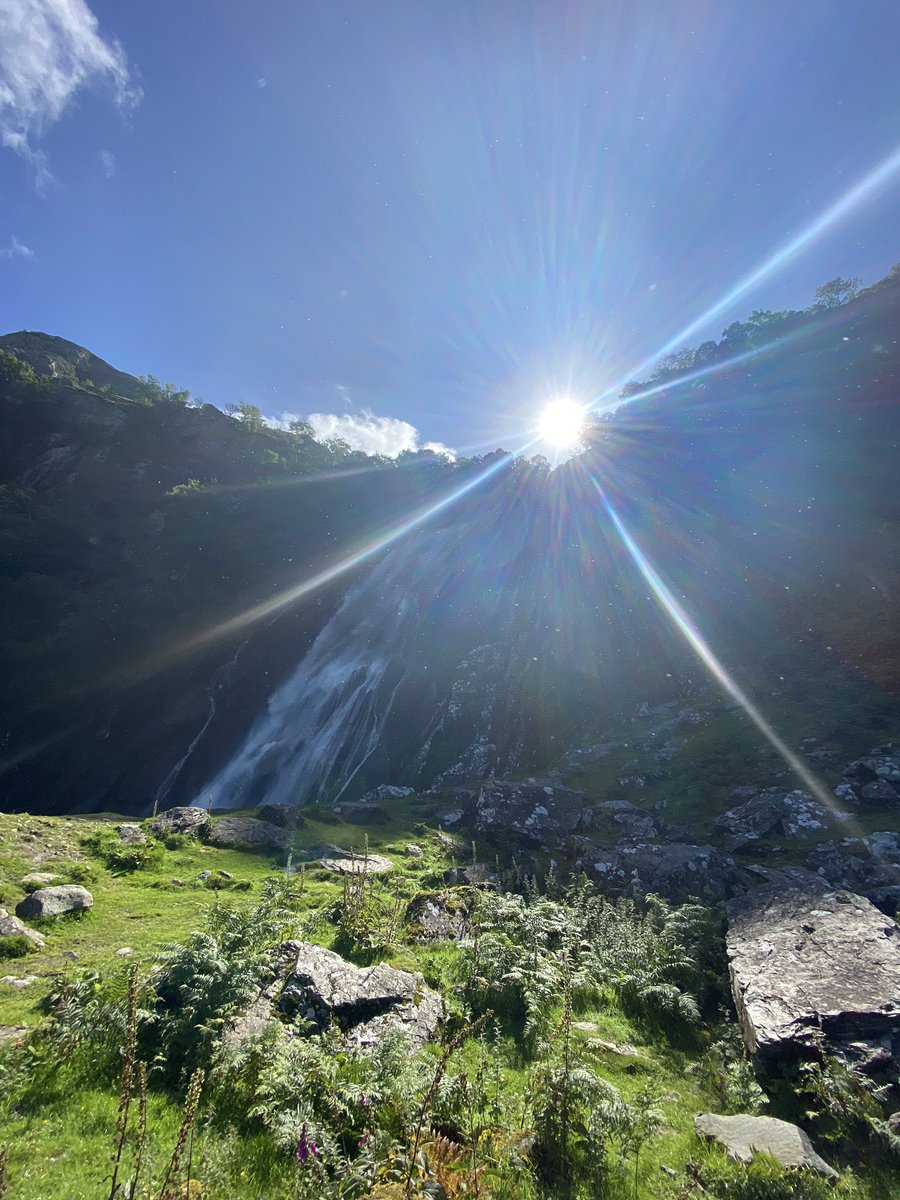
x=811, y=967
x=54, y=901
x=743, y=1136
x=868, y=865
x=180, y=820
x=533, y=810
x=365, y=1003
x=679, y=871
x=773, y=811
x=872, y=781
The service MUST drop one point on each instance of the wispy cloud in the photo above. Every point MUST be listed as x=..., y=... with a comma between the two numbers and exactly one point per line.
x=49, y=51
x=16, y=249
x=364, y=430
x=108, y=163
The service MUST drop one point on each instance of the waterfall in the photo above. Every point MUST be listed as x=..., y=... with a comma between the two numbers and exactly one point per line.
x=325, y=721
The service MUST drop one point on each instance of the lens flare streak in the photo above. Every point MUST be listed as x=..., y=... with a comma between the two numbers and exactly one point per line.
x=700, y=647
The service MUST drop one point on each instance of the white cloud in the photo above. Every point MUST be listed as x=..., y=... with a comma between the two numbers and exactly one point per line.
x=16, y=249
x=108, y=162
x=49, y=51
x=363, y=430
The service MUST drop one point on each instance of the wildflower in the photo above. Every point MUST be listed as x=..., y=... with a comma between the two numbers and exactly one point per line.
x=364, y=1100
x=306, y=1147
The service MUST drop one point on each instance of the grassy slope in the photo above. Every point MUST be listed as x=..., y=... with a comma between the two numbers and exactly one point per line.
x=63, y=1149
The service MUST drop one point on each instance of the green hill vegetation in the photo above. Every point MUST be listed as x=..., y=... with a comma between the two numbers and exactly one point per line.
x=581, y=1034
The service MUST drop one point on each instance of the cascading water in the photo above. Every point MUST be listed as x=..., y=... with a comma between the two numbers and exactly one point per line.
x=327, y=719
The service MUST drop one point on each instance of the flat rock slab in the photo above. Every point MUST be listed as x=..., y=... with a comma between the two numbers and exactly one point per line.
x=180, y=820
x=54, y=901
x=248, y=831
x=807, y=963
x=743, y=1136
x=366, y=1003
x=536, y=811
x=345, y=862
x=361, y=812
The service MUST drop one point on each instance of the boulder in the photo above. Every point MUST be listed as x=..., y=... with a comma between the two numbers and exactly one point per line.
x=13, y=927
x=809, y=967
x=438, y=916
x=366, y=1003
x=411, y=850
x=248, y=831
x=131, y=835
x=743, y=1136
x=538, y=812
x=617, y=819
x=872, y=781
x=19, y=981
x=54, y=901
x=180, y=820
x=773, y=811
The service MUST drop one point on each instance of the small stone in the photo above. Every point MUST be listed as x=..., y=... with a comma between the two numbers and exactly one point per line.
x=71, y=956
x=224, y=874
x=19, y=981
x=124, y=951
x=205, y=875
x=414, y=851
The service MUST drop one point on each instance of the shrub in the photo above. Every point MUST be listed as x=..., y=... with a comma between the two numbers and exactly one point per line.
x=124, y=856
x=17, y=945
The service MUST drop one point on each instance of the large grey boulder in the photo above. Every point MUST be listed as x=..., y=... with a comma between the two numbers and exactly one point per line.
x=810, y=967
x=180, y=820
x=536, y=811
x=131, y=835
x=773, y=811
x=53, y=901
x=743, y=1136
x=13, y=927
x=366, y=1003
x=248, y=831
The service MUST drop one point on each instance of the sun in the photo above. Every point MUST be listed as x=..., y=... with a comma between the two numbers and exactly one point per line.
x=561, y=422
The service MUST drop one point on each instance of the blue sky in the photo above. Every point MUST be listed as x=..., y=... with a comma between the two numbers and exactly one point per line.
x=439, y=212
